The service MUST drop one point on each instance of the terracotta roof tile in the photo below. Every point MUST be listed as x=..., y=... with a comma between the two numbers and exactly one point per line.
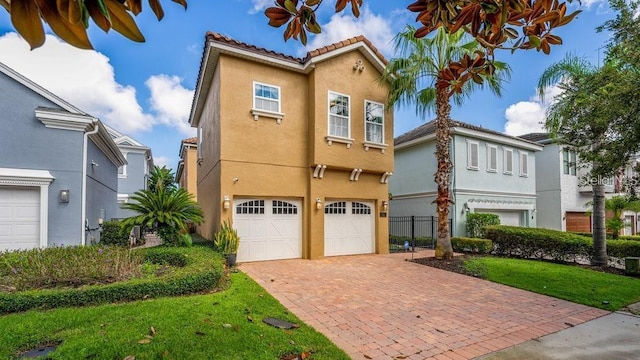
x=192, y=140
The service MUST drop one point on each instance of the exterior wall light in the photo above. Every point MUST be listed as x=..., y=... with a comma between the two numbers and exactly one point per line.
x=318, y=204
x=101, y=218
x=64, y=196
x=226, y=203
x=385, y=205
x=465, y=208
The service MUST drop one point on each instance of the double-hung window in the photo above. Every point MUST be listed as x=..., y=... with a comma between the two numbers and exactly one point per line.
x=508, y=161
x=569, y=162
x=472, y=155
x=339, y=120
x=374, y=122
x=266, y=97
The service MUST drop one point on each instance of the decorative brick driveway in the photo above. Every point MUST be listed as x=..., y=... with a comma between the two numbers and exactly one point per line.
x=381, y=307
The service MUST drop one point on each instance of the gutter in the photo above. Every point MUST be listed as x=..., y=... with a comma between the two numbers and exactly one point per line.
x=83, y=211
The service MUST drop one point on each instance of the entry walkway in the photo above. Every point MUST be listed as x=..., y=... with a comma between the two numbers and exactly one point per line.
x=381, y=307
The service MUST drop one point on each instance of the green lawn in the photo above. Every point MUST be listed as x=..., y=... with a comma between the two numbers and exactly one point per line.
x=579, y=285
x=189, y=327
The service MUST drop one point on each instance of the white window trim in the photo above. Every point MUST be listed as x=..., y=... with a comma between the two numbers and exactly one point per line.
x=470, y=166
x=373, y=144
x=339, y=139
x=257, y=113
x=506, y=150
x=32, y=178
x=494, y=147
x=199, y=148
x=124, y=167
x=123, y=198
x=523, y=155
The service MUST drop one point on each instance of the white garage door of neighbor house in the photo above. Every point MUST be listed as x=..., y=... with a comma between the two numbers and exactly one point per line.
x=268, y=229
x=507, y=217
x=19, y=217
x=348, y=228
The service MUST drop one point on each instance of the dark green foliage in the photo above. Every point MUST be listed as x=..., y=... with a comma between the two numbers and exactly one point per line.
x=538, y=243
x=202, y=273
x=610, y=236
x=473, y=245
x=113, y=234
x=166, y=256
x=476, y=223
x=623, y=248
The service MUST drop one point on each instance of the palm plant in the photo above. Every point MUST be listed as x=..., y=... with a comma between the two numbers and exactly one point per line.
x=161, y=178
x=617, y=205
x=168, y=210
x=418, y=77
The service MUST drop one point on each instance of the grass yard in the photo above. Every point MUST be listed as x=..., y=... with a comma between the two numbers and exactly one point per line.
x=223, y=325
x=573, y=283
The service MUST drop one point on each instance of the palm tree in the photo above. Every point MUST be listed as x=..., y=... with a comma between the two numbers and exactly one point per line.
x=161, y=178
x=167, y=209
x=416, y=78
x=617, y=205
x=567, y=73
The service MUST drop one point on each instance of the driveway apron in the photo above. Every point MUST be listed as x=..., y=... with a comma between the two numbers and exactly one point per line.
x=383, y=307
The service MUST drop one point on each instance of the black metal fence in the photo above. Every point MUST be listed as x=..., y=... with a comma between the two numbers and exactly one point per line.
x=409, y=232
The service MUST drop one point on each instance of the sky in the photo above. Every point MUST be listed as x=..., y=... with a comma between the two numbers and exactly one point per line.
x=145, y=90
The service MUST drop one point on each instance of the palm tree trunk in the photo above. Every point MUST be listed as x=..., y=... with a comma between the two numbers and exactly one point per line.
x=444, y=250
x=599, y=229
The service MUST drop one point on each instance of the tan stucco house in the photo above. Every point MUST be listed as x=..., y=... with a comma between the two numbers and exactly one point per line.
x=187, y=174
x=296, y=151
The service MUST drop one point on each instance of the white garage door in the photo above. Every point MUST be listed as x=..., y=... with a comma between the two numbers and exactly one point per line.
x=348, y=228
x=19, y=217
x=507, y=217
x=268, y=229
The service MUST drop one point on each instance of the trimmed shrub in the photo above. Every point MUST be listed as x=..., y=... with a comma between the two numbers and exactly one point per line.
x=476, y=223
x=203, y=272
x=623, y=248
x=166, y=256
x=538, y=243
x=113, y=234
x=610, y=236
x=473, y=245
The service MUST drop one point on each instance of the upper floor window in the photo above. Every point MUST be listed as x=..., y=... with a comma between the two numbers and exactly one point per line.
x=266, y=97
x=569, y=162
x=472, y=155
x=339, y=115
x=508, y=161
x=122, y=170
x=199, y=149
x=524, y=164
x=374, y=122
x=492, y=158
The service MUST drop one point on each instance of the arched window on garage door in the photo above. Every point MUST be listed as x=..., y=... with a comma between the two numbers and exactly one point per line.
x=251, y=207
x=360, y=209
x=284, y=208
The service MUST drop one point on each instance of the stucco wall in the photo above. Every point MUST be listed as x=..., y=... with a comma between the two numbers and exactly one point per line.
x=102, y=189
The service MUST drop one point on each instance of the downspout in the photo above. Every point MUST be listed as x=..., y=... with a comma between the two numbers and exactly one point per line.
x=83, y=211
x=454, y=220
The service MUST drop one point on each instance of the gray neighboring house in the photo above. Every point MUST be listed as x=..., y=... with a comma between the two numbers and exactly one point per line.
x=492, y=173
x=132, y=176
x=58, y=169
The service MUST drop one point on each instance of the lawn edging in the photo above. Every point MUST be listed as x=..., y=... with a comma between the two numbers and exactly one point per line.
x=203, y=271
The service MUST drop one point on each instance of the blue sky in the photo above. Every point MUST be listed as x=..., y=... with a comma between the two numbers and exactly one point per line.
x=145, y=90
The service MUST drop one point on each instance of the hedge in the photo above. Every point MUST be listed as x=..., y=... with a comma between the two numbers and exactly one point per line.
x=474, y=245
x=203, y=271
x=112, y=233
x=610, y=236
x=476, y=223
x=623, y=248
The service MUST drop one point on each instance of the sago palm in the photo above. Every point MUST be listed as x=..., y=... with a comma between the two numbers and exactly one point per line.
x=415, y=79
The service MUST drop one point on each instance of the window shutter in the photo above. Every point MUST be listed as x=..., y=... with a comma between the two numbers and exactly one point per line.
x=524, y=166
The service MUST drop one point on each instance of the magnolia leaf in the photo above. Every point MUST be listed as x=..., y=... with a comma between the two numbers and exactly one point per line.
x=291, y=6
x=5, y=4
x=313, y=2
x=534, y=41
x=181, y=2
x=135, y=6
x=74, y=34
x=340, y=5
x=99, y=17
x=157, y=9
x=277, y=17
x=355, y=7
x=69, y=10
x=122, y=22
x=26, y=19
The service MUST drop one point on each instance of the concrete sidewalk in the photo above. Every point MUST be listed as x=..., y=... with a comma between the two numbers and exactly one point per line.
x=612, y=337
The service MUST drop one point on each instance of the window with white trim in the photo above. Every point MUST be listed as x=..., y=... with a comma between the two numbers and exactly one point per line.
x=569, y=162
x=524, y=164
x=266, y=97
x=374, y=122
x=492, y=158
x=472, y=155
x=508, y=161
x=339, y=121
x=122, y=170
x=200, y=135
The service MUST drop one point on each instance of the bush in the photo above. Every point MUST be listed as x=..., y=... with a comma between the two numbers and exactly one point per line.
x=538, y=243
x=113, y=234
x=610, y=236
x=67, y=266
x=474, y=245
x=623, y=248
x=476, y=222
x=166, y=256
x=203, y=272
x=170, y=235
x=185, y=240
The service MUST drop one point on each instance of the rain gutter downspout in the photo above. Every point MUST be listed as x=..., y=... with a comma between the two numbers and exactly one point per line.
x=83, y=211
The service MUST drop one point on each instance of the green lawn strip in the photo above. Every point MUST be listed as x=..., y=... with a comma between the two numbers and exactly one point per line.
x=188, y=327
x=566, y=282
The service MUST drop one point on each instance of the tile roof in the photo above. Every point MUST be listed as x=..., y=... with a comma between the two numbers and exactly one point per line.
x=430, y=128
x=214, y=36
x=535, y=136
x=191, y=140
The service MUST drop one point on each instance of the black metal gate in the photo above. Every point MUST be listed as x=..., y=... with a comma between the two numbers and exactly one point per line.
x=410, y=232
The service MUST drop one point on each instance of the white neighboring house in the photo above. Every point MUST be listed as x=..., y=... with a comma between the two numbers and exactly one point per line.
x=563, y=190
x=132, y=176
x=492, y=173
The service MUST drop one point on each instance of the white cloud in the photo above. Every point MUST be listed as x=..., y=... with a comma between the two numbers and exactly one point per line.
x=529, y=116
x=259, y=5
x=344, y=25
x=84, y=78
x=171, y=102
x=162, y=161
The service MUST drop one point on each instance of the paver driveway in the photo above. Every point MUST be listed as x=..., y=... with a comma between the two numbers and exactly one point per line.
x=381, y=307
